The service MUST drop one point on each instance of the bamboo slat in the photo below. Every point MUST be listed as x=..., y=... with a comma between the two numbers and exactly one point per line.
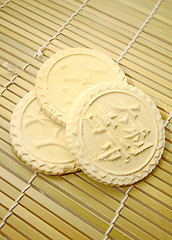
x=67, y=216
x=38, y=223
x=5, y=124
x=78, y=207
x=3, y=212
x=136, y=231
x=102, y=209
x=9, y=190
x=11, y=178
x=52, y=219
x=159, y=196
x=58, y=210
x=151, y=202
x=12, y=96
x=48, y=10
x=7, y=103
x=148, y=214
x=12, y=234
x=24, y=227
x=18, y=167
x=143, y=224
x=30, y=18
x=159, y=184
x=76, y=180
x=20, y=55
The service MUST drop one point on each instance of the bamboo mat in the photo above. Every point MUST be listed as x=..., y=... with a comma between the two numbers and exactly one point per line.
x=35, y=206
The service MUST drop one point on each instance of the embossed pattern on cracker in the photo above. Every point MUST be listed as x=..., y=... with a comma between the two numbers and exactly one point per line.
x=39, y=141
x=116, y=133
x=66, y=74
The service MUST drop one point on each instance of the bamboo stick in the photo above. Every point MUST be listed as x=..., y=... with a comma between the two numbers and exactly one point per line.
x=12, y=233
x=51, y=219
x=30, y=19
x=7, y=149
x=107, y=20
x=90, y=44
x=136, y=231
x=44, y=11
x=167, y=155
x=24, y=57
x=9, y=190
x=58, y=210
x=71, y=203
x=44, y=228
x=12, y=179
x=119, y=13
x=166, y=200
x=17, y=166
x=112, y=235
x=5, y=124
x=41, y=19
x=148, y=214
x=117, y=39
x=71, y=5
x=168, y=136
x=22, y=32
x=78, y=182
x=128, y=65
x=169, y=126
x=119, y=44
x=141, y=223
x=17, y=37
x=165, y=166
x=161, y=13
x=10, y=95
x=6, y=201
x=16, y=221
x=156, y=95
x=159, y=184
x=151, y=202
x=3, y=211
x=135, y=12
x=17, y=90
x=92, y=202
x=149, y=66
x=119, y=234
x=49, y=5
x=168, y=146
x=7, y=104
x=87, y=36
x=3, y=81
x=38, y=223
x=5, y=113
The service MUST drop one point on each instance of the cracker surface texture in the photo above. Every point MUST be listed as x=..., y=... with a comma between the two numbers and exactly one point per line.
x=66, y=74
x=39, y=141
x=116, y=134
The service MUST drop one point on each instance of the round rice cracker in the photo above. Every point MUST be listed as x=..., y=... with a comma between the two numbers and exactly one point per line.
x=39, y=141
x=66, y=74
x=115, y=133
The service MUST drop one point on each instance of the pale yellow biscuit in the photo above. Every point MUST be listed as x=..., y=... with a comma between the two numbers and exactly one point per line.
x=39, y=141
x=115, y=133
x=66, y=74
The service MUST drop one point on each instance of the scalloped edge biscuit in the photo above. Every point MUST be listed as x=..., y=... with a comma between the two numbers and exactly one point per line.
x=42, y=94
x=23, y=153
x=76, y=148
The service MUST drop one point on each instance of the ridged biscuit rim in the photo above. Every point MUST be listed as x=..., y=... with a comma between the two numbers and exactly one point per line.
x=42, y=73
x=76, y=150
x=23, y=153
